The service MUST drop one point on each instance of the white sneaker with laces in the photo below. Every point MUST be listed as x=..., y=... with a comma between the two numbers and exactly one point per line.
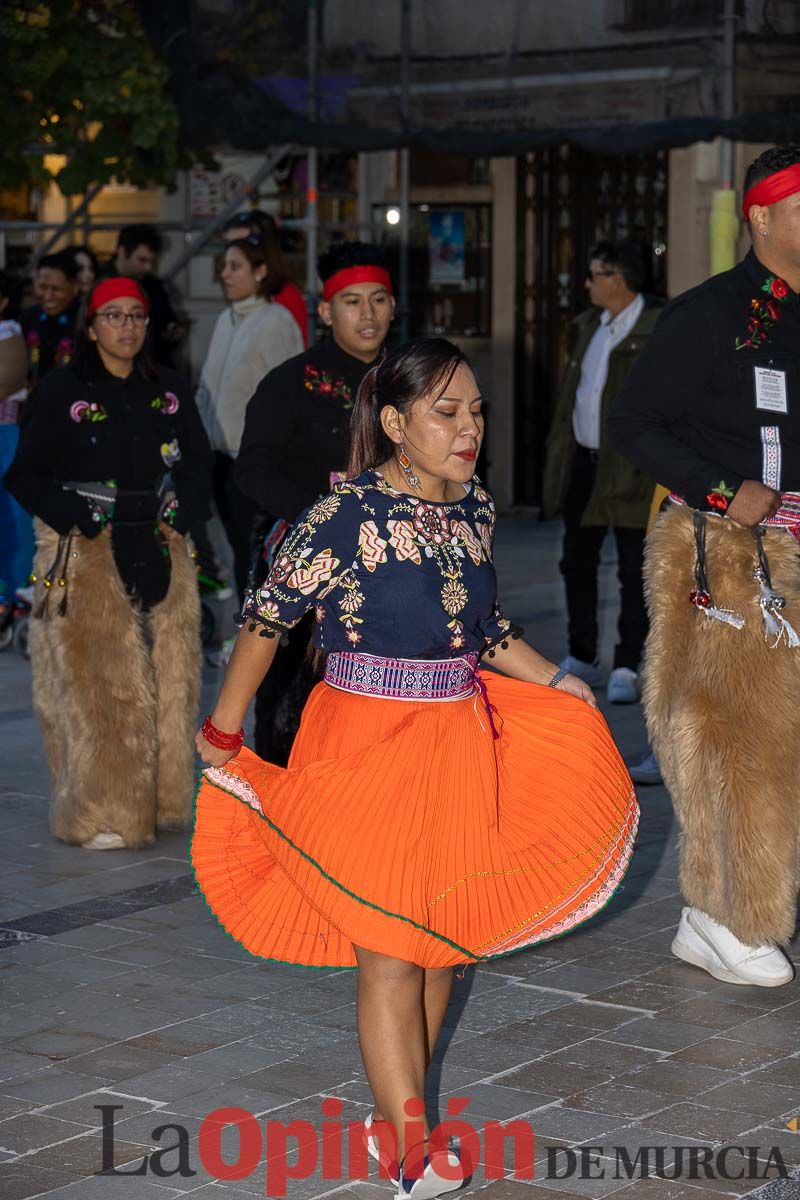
x=705, y=943
x=623, y=686
x=591, y=673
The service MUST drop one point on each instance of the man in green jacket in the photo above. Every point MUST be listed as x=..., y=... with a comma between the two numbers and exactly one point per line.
x=589, y=484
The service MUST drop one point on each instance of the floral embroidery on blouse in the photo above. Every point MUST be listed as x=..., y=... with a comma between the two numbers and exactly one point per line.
x=425, y=559
x=170, y=453
x=322, y=384
x=764, y=314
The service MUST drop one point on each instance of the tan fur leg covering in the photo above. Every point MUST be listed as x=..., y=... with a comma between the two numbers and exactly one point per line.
x=93, y=694
x=723, y=714
x=177, y=661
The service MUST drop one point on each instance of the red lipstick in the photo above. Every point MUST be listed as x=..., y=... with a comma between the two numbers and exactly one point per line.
x=467, y=455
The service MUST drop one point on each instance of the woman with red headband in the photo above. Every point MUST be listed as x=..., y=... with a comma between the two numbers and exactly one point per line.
x=712, y=410
x=114, y=463
x=296, y=443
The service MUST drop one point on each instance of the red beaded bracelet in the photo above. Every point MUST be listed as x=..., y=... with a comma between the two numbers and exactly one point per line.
x=220, y=739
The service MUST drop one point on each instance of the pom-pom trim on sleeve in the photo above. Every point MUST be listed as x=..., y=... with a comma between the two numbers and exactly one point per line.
x=514, y=632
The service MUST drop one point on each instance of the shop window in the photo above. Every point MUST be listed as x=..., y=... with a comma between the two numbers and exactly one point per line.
x=450, y=266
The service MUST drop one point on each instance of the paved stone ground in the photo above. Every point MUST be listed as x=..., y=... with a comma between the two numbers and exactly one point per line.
x=119, y=989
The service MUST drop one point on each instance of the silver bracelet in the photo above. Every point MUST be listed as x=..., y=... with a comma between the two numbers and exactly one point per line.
x=559, y=675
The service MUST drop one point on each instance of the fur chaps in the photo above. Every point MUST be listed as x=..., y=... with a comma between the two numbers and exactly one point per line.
x=116, y=693
x=723, y=713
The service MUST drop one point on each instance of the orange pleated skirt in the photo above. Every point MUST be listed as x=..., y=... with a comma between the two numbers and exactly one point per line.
x=408, y=828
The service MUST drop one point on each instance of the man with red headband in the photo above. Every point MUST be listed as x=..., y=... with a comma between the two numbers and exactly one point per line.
x=296, y=444
x=712, y=409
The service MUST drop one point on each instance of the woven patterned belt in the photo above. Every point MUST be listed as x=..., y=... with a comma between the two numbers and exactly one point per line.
x=787, y=516
x=402, y=678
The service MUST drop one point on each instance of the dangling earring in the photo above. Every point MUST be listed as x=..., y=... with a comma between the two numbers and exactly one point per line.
x=407, y=468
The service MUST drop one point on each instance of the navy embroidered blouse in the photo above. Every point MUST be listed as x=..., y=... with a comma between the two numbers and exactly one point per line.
x=388, y=574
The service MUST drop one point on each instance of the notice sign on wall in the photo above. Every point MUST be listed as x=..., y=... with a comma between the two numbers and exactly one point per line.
x=447, y=246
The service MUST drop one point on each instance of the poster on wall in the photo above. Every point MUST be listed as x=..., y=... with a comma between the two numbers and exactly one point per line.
x=210, y=191
x=447, y=246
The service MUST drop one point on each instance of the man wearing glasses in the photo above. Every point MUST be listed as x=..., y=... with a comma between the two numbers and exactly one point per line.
x=587, y=483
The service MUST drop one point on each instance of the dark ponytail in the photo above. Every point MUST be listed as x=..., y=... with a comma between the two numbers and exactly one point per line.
x=419, y=368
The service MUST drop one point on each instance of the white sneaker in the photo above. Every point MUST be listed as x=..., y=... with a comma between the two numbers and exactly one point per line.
x=374, y=1148
x=591, y=673
x=430, y=1183
x=105, y=841
x=623, y=686
x=705, y=943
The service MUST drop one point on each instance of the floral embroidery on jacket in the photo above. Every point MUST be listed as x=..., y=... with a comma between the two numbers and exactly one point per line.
x=170, y=453
x=82, y=410
x=764, y=313
x=720, y=496
x=168, y=403
x=322, y=384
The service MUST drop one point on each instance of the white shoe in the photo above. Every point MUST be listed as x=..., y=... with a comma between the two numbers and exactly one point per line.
x=705, y=943
x=374, y=1148
x=105, y=841
x=623, y=686
x=430, y=1183
x=591, y=673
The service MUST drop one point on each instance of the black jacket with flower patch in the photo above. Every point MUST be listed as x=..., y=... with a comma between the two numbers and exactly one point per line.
x=297, y=429
x=94, y=427
x=691, y=414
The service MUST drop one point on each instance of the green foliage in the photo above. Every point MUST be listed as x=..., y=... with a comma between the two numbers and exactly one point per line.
x=81, y=80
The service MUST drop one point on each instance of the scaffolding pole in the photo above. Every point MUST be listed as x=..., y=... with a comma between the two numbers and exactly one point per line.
x=234, y=206
x=312, y=170
x=72, y=218
x=405, y=167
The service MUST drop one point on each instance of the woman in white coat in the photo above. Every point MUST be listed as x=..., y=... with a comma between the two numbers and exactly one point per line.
x=251, y=337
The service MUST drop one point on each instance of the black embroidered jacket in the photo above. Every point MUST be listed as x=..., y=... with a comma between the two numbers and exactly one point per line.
x=714, y=399
x=297, y=429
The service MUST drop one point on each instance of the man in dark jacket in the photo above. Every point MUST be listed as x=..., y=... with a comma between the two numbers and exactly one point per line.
x=49, y=324
x=587, y=482
x=138, y=248
x=713, y=406
x=296, y=443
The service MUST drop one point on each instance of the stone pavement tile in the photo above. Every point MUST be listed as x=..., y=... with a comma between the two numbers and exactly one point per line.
x=644, y=993
x=56, y=1043
x=513, y=1189
x=294, y=1036
x=681, y=975
x=237, y=1059
x=86, y=1109
x=594, y=1016
x=743, y=1095
x=575, y=1125
x=542, y=1075
x=685, y=1080
x=297, y=1080
x=99, y=1188
x=31, y=1131
x=729, y=1053
x=598, y=1179
x=702, y=1121
x=181, y=1040
x=620, y=1099
x=10, y=1106
x=39, y=952
x=781, y=1028
x=668, y=1189
x=775, y=1133
x=499, y=1103
x=765, y=999
x=242, y=1019
x=200, y=1104
x=52, y=1084
x=176, y=1079
x=484, y=1053
x=81, y=970
x=538, y=1036
x=582, y=979
x=119, y=1061
x=83, y=1156
x=658, y=1033
x=711, y=1011
x=602, y=1055
x=108, y=1021
x=785, y=1071
x=19, y=1180
x=14, y=1063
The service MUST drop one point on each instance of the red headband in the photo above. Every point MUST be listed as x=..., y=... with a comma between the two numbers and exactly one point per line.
x=115, y=289
x=772, y=189
x=351, y=275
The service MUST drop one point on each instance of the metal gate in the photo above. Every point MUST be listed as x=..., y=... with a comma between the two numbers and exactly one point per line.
x=567, y=200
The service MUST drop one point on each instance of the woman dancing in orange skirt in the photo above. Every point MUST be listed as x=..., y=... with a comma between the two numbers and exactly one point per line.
x=430, y=815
